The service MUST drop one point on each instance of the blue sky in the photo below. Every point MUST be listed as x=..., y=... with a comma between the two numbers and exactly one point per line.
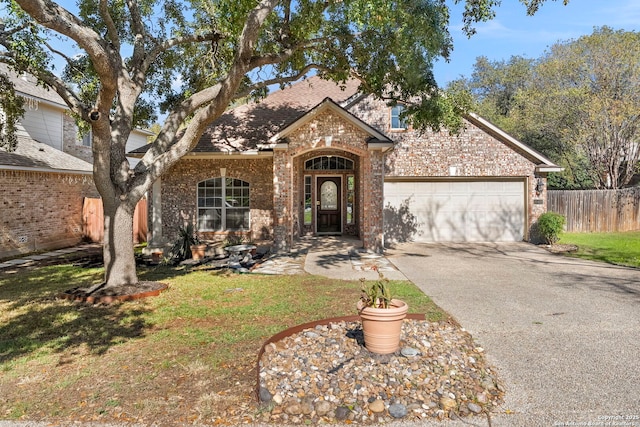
x=512, y=32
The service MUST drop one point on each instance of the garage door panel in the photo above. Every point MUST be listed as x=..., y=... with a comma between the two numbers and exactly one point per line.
x=482, y=211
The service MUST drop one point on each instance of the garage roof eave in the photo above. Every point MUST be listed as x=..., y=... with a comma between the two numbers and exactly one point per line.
x=548, y=168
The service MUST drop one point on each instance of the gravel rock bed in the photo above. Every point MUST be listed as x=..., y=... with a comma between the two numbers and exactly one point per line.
x=326, y=375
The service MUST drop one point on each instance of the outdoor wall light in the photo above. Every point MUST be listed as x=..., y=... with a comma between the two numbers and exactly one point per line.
x=539, y=186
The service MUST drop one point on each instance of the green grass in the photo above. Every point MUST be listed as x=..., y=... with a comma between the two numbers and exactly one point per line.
x=612, y=248
x=198, y=338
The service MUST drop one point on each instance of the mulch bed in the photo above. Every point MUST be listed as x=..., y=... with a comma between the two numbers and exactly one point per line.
x=113, y=294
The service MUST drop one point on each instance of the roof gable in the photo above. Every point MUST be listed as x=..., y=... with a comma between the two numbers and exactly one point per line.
x=248, y=127
x=544, y=164
x=330, y=105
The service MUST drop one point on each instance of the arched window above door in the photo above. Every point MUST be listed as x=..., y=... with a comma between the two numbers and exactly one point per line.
x=328, y=163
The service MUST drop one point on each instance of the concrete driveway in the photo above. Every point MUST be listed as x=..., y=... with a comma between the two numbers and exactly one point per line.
x=563, y=333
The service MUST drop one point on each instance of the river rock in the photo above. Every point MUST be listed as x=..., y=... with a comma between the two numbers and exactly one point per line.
x=377, y=406
x=265, y=395
x=398, y=410
x=342, y=413
x=322, y=407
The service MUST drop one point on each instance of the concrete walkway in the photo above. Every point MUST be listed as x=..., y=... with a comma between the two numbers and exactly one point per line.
x=563, y=333
x=33, y=259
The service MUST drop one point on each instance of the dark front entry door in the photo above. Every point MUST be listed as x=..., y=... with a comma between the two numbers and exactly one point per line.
x=328, y=205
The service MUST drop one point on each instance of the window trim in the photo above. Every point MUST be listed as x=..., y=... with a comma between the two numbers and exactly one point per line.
x=394, y=113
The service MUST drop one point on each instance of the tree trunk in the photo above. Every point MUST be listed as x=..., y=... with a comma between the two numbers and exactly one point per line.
x=119, y=259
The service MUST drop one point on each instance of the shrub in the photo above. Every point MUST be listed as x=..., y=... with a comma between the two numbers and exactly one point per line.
x=550, y=225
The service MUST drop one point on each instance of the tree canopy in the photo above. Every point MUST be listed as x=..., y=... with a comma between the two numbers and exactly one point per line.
x=579, y=104
x=192, y=58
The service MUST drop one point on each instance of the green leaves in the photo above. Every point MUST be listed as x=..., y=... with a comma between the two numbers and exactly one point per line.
x=11, y=110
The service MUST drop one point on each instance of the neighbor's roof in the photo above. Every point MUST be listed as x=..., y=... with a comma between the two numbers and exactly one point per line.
x=26, y=84
x=36, y=156
x=246, y=127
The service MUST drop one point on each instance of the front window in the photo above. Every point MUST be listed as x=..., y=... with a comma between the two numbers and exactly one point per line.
x=223, y=204
x=328, y=163
x=308, y=206
x=351, y=193
x=396, y=121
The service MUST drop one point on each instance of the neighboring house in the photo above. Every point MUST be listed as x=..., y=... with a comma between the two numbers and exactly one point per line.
x=45, y=180
x=318, y=158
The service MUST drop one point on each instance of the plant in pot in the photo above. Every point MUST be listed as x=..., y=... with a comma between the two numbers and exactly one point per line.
x=187, y=244
x=381, y=316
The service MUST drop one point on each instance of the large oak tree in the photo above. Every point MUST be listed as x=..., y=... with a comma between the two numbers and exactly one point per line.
x=133, y=51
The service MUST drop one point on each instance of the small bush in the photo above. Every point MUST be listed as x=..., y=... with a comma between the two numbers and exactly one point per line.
x=550, y=225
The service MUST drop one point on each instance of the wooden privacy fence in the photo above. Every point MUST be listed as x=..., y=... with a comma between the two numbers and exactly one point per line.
x=597, y=210
x=93, y=220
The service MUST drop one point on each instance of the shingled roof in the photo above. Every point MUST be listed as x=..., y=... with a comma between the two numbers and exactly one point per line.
x=246, y=127
x=26, y=84
x=33, y=155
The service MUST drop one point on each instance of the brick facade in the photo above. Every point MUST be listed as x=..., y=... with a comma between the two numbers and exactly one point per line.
x=70, y=143
x=474, y=153
x=179, y=194
x=31, y=222
x=361, y=134
x=328, y=134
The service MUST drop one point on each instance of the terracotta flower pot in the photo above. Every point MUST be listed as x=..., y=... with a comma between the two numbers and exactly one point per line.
x=382, y=326
x=197, y=251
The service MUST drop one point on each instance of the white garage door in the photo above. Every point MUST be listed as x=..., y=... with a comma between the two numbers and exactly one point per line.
x=454, y=211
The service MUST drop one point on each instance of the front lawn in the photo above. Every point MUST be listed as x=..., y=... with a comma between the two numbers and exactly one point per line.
x=613, y=248
x=186, y=356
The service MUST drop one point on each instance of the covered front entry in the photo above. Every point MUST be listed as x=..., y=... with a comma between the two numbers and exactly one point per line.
x=328, y=192
x=329, y=206
x=328, y=174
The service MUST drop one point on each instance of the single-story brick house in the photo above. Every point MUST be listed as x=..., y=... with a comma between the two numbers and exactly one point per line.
x=320, y=158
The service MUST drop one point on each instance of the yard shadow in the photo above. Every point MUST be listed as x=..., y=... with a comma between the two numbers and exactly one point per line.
x=35, y=321
x=56, y=327
x=613, y=280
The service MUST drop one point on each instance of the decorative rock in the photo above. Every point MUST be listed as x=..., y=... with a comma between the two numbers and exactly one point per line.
x=325, y=375
x=447, y=403
x=397, y=410
x=476, y=409
x=322, y=407
x=377, y=406
x=306, y=408
x=409, y=352
x=265, y=395
x=342, y=413
x=293, y=409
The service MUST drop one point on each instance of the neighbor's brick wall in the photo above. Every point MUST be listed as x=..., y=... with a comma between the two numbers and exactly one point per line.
x=41, y=210
x=179, y=193
x=473, y=153
x=70, y=142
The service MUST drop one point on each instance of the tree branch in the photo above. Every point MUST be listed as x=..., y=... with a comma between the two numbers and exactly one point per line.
x=279, y=80
x=112, y=31
x=159, y=48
